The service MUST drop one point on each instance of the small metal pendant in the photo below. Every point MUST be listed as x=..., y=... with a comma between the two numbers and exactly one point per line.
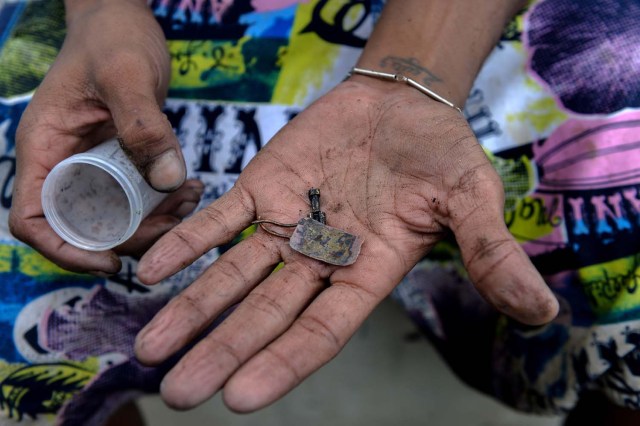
x=314, y=238
x=322, y=242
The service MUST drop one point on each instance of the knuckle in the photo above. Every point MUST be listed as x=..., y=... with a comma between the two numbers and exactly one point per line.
x=491, y=249
x=118, y=67
x=18, y=227
x=242, y=197
x=487, y=256
x=230, y=270
x=287, y=364
x=216, y=216
x=145, y=139
x=366, y=296
x=268, y=305
x=144, y=133
x=25, y=126
x=265, y=245
x=321, y=330
x=187, y=240
x=193, y=304
x=477, y=186
x=217, y=344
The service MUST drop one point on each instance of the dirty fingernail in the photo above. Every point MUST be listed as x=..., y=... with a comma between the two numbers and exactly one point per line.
x=167, y=172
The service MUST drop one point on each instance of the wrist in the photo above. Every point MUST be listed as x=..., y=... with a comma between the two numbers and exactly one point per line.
x=76, y=9
x=403, y=79
x=441, y=44
x=391, y=92
x=385, y=87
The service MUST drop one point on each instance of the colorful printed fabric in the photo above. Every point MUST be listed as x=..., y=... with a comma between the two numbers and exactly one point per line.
x=555, y=106
x=240, y=71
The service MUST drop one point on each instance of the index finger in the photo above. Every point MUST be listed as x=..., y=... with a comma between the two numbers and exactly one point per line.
x=216, y=224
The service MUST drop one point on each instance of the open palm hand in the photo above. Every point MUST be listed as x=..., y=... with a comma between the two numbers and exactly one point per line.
x=394, y=168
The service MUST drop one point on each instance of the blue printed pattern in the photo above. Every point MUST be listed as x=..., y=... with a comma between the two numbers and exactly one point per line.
x=227, y=59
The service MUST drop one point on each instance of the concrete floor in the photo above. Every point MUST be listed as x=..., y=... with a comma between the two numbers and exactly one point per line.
x=381, y=378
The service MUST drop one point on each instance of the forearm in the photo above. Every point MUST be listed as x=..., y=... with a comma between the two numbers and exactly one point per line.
x=439, y=43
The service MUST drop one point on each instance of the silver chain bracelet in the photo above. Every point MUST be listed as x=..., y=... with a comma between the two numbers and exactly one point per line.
x=404, y=79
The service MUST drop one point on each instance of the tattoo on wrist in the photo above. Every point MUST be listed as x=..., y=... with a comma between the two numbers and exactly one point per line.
x=410, y=66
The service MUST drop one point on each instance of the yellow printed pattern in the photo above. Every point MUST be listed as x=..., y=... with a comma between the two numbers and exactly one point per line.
x=308, y=59
x=541, y=114
x=28, y=261
x=532, y=219
x=203, y=63
x=42, y=389
x=612, y=287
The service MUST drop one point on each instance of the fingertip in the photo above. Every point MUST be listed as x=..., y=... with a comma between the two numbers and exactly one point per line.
x=242, y=395
x=144, y=353
x=173, y=397
x=185, y=209
x=529, y=301
x=504, y=274
x=145, y=273
x=114, y=260
x=167, y=172
x=149, y=270
x=99, y=274
x=102, y=264
x=153, y=267
x=149, y=346
x=139, y=349
x=195, y=189
x=543, y=311
x=258, y=384
x=180, y=394
x=549, y=308
x=196, y=185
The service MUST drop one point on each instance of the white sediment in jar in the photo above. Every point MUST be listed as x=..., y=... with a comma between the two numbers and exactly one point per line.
x=92, y=204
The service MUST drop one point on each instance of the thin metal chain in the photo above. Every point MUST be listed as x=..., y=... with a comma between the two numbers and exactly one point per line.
x=409, y=81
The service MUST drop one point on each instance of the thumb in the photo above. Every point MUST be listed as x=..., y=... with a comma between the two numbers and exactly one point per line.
x=146, y=135
x=499, y=267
